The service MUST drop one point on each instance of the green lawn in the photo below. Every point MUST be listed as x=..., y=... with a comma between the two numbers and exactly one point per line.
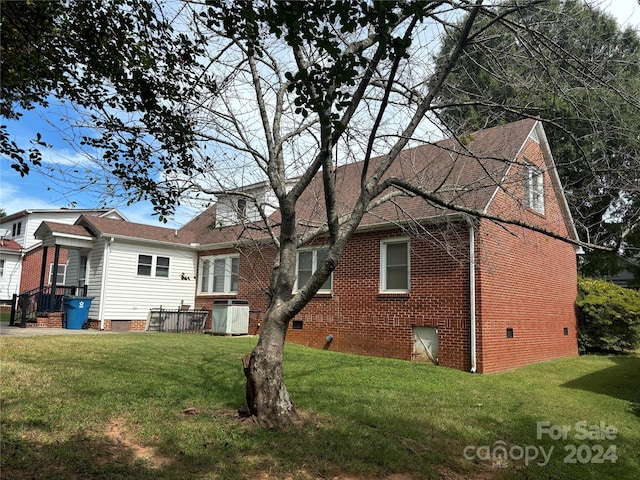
x=147, y=406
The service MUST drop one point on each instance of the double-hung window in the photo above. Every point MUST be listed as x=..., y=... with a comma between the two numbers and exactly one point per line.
x=394, y=265
x=61, y=276
x=162, y=267
x=534, y=188
x=153, y=265
x=308, y=261
x=218, y=274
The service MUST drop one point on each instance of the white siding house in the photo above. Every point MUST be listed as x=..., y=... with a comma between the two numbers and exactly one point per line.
x=10, y=268
x=20, y=227
x=130, y=289
x=128, y=268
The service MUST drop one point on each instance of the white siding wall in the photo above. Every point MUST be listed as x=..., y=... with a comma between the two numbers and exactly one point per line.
x=10, y=280
x=129, y=296
x=34, y=220
x=73, y=267
x=227, y=212
x=94, y=278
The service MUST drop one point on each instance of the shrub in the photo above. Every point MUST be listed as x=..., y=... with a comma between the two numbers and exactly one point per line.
x=608, y=317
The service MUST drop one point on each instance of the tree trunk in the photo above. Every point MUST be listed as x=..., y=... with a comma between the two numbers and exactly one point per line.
x=267, y=396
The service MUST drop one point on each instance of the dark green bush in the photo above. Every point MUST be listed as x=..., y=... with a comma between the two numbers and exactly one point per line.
x=608, y=317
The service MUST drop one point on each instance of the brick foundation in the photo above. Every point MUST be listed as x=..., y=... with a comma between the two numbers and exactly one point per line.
x=50, y=320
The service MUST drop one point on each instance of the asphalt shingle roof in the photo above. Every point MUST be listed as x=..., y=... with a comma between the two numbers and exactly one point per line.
x=465, y=171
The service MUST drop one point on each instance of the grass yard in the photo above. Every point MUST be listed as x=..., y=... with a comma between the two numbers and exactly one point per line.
x=163, y=406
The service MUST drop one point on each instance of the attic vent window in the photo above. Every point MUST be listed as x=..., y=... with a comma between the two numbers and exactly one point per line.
x=534, y=188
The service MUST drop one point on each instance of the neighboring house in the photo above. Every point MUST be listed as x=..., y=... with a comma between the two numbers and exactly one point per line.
x=404, y=287
x=10, y=267
x=628, y=273
x=22, y=266
x=415, y=282
x=128, y=268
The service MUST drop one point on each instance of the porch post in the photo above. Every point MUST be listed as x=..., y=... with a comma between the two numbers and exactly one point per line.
x=43, y=270
x=54, y=281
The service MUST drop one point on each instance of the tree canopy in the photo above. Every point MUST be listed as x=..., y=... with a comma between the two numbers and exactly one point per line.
x=586, y=84
x=126, y=69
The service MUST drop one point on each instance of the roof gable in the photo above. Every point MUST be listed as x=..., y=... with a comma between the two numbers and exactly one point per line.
x=466, y=171
x=104, y=227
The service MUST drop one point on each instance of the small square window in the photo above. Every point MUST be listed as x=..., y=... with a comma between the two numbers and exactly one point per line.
x=509, y=332
x=162, y=267
x=144, y=265
x=60, y=277
x=297, y=324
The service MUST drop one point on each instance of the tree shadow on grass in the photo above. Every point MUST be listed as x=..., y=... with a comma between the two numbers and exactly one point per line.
x=621, y=380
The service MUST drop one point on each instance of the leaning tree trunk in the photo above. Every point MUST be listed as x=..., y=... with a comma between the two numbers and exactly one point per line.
x=267, y=396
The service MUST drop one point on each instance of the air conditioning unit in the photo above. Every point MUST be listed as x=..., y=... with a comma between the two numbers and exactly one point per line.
x=230, y=317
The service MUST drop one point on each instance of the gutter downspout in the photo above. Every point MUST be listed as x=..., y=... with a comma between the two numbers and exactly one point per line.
x=472, y=292
x=103, y=282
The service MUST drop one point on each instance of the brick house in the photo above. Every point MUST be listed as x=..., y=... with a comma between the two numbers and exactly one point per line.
x=419, y=281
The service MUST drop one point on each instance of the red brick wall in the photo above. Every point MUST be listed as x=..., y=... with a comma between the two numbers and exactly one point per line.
x=360, y=319
x=32, y=265
x=526, y=281
x=253, y=282
x=364, y=321
x=51, y=320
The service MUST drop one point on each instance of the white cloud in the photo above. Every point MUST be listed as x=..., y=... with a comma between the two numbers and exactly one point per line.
x=13, y=199
x=66, y=157
x=142, y=212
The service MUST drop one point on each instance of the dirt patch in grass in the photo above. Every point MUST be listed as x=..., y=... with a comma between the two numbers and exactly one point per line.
x=121, y=439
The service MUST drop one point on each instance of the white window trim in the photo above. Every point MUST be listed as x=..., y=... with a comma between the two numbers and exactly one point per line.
x=314, y=267
x=2, y=267
x=228, y=258
x=64, y=275
x=154, y=266
x=383, y=264
x=534, y=188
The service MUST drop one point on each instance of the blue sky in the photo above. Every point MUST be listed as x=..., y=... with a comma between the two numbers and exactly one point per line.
x=39, y=191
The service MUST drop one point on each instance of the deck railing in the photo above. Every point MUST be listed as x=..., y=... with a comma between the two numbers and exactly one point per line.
x=178, y=320
x=28, y=305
